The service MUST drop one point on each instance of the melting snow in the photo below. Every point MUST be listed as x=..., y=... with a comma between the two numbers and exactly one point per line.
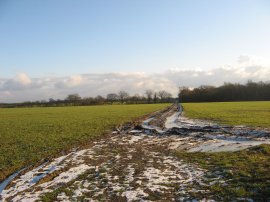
x=133, y=164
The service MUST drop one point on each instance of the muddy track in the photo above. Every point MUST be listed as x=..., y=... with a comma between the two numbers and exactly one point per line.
x=135, y=163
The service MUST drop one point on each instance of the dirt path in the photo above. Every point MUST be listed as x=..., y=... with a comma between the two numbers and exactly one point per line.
x=135, y=164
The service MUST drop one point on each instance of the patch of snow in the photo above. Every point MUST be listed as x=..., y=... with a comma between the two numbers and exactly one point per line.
x=135, y=131
x=134, y=195
x=171, y=121
x=46, y=187
x=224, y=145
x=135, y=138
x=63, y=197
x=9, y=179
x=130, y=171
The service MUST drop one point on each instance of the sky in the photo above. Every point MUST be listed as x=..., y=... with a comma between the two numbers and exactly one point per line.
x=54, y=48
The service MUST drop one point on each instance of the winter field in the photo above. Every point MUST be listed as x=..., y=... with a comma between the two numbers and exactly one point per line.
x=232, y=113
x=198, y=154
x=28, y=135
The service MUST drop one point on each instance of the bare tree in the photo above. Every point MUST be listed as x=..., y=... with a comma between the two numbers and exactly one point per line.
x=88, y=101
x=149, y=93
x=99, y=99
x=73, y=97
x=135, y=98
x=155, y=97
x=51, y=100
x=164, y=95
x=168, y=95
x=123, y=95
x=111, y=97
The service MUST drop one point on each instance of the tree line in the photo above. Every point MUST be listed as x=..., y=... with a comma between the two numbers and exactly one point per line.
x=122, y=97
x=251, y=91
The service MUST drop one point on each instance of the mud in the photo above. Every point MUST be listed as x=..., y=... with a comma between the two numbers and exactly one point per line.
x=204, y=136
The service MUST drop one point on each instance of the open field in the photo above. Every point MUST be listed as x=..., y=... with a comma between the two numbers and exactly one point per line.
x=29, y=135
x=246, y=172
x=231, y=113
x=163, y=157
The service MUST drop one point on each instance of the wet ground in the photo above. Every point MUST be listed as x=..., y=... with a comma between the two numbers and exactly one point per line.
x=135, y=163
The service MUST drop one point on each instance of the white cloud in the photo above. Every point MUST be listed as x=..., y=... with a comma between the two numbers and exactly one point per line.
x=23, y=88
x=250, y=60
x=23, y=79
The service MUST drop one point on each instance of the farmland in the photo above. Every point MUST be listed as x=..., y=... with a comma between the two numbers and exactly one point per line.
x=29, y=135
x=231, y=113
x=163, y=157
x=247, y=171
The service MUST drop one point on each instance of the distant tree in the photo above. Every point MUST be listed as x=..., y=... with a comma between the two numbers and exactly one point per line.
x=51, y=100
x=111, y=97
x=123, y=95
x=149, y=93
x=99, y=99
x=135, y=98
x=155, y=97
x=161, y=94
x=73, y=97
x=164, y=95
x=88, y=101
x=251, y=91
x=180, y=90
x=168, y=96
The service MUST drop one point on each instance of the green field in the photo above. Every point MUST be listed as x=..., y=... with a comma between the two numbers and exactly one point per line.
x=246, y=172
x=231, y=113
x=30, y=134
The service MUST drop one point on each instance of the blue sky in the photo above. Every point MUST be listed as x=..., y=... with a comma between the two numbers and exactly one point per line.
x=71, y=37
x=54, y=47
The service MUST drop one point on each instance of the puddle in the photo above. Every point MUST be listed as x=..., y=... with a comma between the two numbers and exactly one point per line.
x=4, y=184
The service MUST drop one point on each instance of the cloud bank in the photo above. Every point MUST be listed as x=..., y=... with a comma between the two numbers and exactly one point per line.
x=23, y=88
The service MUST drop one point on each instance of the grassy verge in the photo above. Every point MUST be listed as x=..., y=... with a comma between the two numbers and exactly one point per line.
x=246, y=172
x=29, y=134
x=232, y=113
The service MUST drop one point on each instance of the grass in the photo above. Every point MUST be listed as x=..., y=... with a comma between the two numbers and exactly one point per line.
x=30, y=134
x=247, y=172
x=231, y=113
